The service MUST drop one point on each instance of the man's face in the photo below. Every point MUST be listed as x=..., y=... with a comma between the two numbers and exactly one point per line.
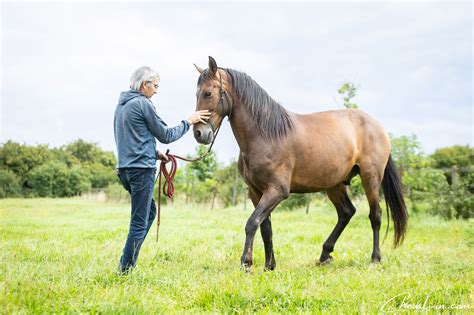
x=149, y=88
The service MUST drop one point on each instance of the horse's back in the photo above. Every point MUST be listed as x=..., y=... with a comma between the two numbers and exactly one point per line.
x=349, y=129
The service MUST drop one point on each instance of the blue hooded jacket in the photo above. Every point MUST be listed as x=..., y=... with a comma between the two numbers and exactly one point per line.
x=136, y=125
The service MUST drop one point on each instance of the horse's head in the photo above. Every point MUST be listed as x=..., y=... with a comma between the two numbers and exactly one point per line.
x=211, y=94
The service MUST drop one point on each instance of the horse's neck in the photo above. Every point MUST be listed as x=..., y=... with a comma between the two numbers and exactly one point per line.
x=244, y=127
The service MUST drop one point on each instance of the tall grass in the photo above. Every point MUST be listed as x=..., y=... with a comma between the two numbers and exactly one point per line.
x=61, y=256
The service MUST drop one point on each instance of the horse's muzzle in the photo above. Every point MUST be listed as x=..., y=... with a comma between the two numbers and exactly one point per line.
x=203, y=133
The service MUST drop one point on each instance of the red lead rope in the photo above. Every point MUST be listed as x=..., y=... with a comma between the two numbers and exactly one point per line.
x=168, y=188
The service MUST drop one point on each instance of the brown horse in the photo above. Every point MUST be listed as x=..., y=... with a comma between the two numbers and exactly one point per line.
x=283, y=152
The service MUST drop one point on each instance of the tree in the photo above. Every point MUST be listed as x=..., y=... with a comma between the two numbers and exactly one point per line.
x=9, y=184
x=419, y=181
x=231, y=186
x=355, y=188
x=87, y=152
x=100, y=176
x=436, y=187
x=454, y=161
x=65, y=157
x=41, y=179
x=295, y=201
x=456, y=201
x=184, y=182
x=21, y=159
x=197, y=179
x=99, y=164
x=54, y=179
x=457, y=155
x=348, y=91
x=79, y=180
x=406, y=153
x=206, y=167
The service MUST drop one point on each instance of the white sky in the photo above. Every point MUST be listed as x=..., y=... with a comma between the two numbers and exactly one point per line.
x=64, y=64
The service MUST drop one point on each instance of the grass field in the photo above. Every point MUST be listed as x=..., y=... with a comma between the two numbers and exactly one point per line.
x=61, y=255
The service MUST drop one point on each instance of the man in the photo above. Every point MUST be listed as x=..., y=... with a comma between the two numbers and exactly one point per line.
x=136, y=125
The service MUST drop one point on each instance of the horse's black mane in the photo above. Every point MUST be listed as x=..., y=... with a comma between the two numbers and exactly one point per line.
x=272, y=119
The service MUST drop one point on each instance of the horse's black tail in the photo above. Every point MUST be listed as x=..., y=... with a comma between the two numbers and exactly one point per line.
x=392, y=190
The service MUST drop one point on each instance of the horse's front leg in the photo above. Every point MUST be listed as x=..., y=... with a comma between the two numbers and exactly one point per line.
x=270, y=199
x=266, y=231
x=267, y=236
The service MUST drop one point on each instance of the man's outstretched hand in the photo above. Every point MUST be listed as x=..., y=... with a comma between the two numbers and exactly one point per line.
x=200, y=116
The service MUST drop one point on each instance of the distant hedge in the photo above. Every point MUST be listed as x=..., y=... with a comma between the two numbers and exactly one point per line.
x=40, y=171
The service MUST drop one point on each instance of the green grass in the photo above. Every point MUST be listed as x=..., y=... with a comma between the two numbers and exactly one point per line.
x=61, y=256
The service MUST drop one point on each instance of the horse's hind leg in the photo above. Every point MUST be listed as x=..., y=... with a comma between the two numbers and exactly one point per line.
x=371, y=181
x=345, y=211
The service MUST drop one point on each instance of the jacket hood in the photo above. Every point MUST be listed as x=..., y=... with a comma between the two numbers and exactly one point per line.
x=128, y=95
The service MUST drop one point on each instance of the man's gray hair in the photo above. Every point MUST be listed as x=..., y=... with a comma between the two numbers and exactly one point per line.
x=142, y=74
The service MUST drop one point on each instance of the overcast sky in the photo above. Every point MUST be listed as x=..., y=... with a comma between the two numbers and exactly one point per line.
x=64, y=64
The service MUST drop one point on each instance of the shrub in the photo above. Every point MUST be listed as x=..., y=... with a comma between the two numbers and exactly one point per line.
x=54, y=179
x=9, y=184
x=294, y=201
x=115, y=191
x=79, y=180
x=355, y=187
x=100, y=176
x=456, y=201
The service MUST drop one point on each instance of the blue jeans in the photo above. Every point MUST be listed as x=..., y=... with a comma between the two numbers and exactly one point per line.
x=139, y=183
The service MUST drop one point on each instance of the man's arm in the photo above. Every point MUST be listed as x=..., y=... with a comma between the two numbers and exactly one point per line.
x=159, y=128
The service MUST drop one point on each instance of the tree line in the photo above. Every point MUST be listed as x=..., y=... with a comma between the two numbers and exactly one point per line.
x=441, y=183
x=40, y=171
x=81, y=167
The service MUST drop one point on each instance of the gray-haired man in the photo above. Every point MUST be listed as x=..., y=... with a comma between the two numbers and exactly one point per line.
x=136, y=125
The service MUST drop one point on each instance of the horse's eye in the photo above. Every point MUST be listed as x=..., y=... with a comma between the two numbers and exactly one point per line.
x=207, y=94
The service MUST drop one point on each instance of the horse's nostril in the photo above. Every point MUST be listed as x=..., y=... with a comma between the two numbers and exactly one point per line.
x=197, y=134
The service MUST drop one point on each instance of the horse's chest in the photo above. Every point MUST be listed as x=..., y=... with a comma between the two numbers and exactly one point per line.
x=258, y=171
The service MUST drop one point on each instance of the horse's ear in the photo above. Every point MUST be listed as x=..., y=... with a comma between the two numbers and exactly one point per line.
x=212, y=66
x=201, y=70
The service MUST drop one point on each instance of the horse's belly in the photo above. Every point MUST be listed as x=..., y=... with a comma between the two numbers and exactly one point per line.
x=316, y=175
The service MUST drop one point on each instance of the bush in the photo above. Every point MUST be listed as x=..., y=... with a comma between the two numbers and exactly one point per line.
x=21, y=158
x=101, y=176
x=356, y=189
x=40, y=180
x=230, y=185
x=294, y=201
x=9, y=184
x=117, y=192
x=456, y=201
x=54, y=179
x=205, y=190
x=426, y=180
x=79, y=180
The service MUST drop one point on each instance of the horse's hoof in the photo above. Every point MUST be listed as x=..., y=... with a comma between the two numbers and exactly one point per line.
x=245, y=267
x=326, y=260
x=269, y=268
x=376, y=260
